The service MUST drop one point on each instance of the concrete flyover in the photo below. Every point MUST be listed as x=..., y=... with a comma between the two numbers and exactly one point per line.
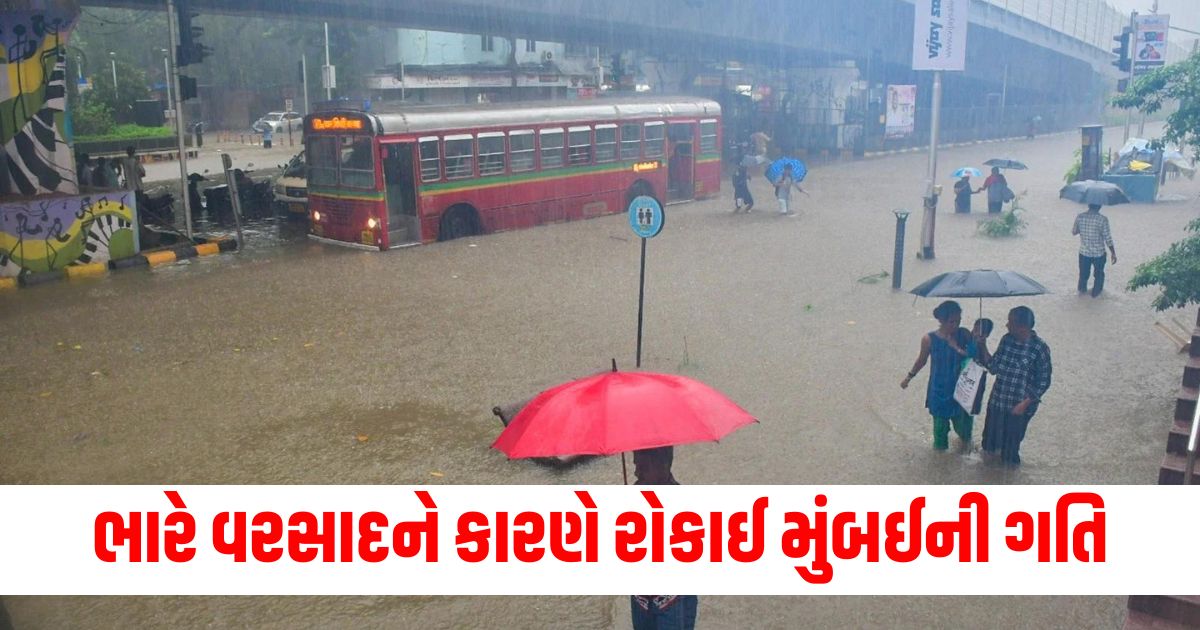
x=792, y=31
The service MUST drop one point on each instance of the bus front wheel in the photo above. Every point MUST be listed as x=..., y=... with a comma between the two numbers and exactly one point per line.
x=458, y=222
x=641, y=188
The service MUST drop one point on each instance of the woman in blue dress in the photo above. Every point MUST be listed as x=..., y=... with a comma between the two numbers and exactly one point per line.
x=945, y=349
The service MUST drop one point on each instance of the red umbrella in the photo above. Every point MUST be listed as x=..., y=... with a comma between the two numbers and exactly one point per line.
x=614, y=412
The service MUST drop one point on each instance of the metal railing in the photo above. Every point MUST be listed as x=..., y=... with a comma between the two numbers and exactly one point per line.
x=1193, y=437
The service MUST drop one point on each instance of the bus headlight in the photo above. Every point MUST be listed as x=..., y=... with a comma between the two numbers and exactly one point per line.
x=316, y=215
x=372, y=223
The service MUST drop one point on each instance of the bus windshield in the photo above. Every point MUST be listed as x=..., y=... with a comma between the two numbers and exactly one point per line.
x=342, y=161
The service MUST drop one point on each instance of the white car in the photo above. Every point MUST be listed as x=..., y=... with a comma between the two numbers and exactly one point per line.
x=280, y=122
x=291, y=187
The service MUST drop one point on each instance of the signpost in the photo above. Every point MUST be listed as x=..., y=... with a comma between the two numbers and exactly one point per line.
x=939, y=43
x=646, y=218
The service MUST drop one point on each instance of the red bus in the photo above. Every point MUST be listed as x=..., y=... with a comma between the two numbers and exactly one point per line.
x=422, y=174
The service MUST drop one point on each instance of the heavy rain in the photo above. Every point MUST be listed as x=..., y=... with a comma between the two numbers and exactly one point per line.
x=310, y=356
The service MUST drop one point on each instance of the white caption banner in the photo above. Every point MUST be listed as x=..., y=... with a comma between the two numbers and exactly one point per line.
x=49, y=543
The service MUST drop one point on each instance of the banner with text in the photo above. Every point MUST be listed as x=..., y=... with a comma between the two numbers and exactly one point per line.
x=900, y=119
x=940, y=35
x=1150, y=42
x=601, y=540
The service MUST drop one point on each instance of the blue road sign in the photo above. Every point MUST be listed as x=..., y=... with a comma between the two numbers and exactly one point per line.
x=646, y=216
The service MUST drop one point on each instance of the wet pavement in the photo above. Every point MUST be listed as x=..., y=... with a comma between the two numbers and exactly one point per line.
x=270, y=366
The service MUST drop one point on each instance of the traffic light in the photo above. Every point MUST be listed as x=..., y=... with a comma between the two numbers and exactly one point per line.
x=1123, y=60
x=187, y=88
x=190, y=50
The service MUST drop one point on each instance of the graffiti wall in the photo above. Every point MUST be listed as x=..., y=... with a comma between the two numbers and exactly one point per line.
x=49, y=233
x=33, y=40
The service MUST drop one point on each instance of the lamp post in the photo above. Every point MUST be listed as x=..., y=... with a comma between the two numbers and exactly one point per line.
x=898, y=260
x=112, y=57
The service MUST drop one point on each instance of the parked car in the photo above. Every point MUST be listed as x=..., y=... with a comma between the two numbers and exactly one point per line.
x=279, y=122
x=291, y=187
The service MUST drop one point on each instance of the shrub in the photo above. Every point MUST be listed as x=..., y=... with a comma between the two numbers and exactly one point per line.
x=92, y=118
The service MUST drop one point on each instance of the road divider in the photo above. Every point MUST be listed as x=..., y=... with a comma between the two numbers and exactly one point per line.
x=145, y=259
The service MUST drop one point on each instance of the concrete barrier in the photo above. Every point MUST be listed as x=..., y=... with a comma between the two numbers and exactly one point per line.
x=146, y=259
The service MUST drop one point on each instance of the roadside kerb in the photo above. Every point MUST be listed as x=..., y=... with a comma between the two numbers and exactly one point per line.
x=145, y=259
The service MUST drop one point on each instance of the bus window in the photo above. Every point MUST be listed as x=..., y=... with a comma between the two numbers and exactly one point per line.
x=430, y=159
x=460, y=157
x=552, y=148
x=631, y=141
x=579, y=149
x=655, y=133
x=322, y=161
x=358, y=162
x=708, y=136
x=520, y=150
x=606, y=143
x=491, y=154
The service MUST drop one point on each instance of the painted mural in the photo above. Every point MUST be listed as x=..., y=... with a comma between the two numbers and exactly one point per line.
x=33, y=40
x=49, y=233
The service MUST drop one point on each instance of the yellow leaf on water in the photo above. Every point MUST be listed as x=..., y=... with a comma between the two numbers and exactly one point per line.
x=309, y=344
x=77, y=347
x=237, y=349
x=361, y=438
x=44, y=394
x=851, y=323
x=437, y=474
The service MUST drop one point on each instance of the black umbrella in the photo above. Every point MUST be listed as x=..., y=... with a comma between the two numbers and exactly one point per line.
x=979, y=283
x=1092, y=192
x=1007, y=163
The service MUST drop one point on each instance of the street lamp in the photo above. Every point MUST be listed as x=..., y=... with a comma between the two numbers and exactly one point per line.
x=112, y=56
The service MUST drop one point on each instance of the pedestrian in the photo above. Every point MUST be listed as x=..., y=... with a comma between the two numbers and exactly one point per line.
x=1023, y=371
x=104, y=175
x=268, y=132
x=134, y=171
x=652, y=466
x=741, y=187
x=945, y=349
x=962, y=195
x=760, y=140
x=996, y=186
x=83, y=170
x=1094, y=235
x=783, y=191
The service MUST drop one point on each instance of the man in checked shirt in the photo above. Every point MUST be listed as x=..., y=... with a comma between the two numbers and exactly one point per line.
x=1022, y=367
x=1092, y=228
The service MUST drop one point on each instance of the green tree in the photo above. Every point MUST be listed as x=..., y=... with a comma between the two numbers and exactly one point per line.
x=1177, y=271
x=1176, y=83
x=131, y=87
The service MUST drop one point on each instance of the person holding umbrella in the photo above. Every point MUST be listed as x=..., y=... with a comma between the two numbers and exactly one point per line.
x=962, y=194
x=945, y=348
x=783, y=191
x=1023, y=372
x=996, y=186
x=652, y=466
x=1094, y=234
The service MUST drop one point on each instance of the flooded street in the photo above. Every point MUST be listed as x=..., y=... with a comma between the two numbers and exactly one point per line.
x=300, y=363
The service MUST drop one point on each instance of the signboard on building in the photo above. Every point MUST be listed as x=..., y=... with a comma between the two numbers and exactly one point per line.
x=940, y=35
x=900, y=116
x=1150, y=42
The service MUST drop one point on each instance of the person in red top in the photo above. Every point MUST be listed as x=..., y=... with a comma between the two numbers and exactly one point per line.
x=996, y=186
x=652, y=466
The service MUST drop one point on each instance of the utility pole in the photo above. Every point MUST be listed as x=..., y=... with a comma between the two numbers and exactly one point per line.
x=328, y=72
x=180, y=145
x=304, y=79
x=1132, y=49
x=929, y=223
x=112, y=57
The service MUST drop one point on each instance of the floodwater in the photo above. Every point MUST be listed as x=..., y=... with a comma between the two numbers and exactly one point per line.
x=269, y=366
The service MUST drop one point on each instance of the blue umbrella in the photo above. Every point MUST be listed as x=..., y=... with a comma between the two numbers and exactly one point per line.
x=968, y=171
x=775, y=170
